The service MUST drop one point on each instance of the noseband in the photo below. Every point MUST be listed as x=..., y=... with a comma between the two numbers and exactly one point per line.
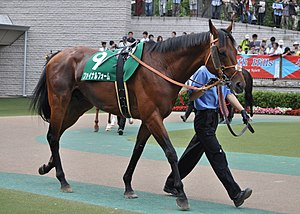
x=214, y=55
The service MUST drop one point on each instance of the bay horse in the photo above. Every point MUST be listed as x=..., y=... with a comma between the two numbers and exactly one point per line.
x=61, y=97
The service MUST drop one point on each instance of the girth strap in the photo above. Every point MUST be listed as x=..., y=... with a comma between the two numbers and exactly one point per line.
x=120, y=85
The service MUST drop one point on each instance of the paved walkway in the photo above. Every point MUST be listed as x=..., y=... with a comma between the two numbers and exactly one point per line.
x=95, y=162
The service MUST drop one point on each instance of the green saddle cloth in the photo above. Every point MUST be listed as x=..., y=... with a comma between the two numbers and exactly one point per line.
x=102, y=65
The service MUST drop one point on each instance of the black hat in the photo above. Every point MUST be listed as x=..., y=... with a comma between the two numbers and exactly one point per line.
x=103, y=43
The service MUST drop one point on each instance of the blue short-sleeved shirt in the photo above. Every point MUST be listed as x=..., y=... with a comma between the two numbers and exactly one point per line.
x=209, y=100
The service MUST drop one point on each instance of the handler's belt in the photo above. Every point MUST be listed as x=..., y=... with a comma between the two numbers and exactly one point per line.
x=120, y=85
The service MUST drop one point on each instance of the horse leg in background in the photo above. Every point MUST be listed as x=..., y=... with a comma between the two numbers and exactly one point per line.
x=142, y=137
x=231, y=110
x=121, y=124
x=108, y=126
x=96, y=126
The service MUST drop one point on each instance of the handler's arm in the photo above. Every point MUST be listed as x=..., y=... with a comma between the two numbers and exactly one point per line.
x=234, y=101
x=197, y=93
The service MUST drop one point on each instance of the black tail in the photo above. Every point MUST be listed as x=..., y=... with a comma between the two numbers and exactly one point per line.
x=39, y=102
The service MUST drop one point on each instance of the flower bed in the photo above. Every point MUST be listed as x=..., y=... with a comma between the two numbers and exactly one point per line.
x=277, y=110
x=179, y=108
x=293, y=112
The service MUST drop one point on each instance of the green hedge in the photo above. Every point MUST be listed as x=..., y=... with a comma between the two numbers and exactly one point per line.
x=264, y=99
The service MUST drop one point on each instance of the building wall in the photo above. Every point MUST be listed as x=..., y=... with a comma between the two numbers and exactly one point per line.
x=54, y=25
x=57, y=24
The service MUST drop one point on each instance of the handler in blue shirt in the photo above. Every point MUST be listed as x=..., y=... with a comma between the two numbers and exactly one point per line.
x=205, y=140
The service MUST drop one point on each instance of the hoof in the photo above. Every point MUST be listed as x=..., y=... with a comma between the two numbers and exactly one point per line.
x=42, y=170
x=96, y=129
x=66, y=189
x=183, y=204
x=130, y=195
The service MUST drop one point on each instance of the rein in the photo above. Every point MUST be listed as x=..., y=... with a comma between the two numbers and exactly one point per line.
x=224, y=111
x=171, y=80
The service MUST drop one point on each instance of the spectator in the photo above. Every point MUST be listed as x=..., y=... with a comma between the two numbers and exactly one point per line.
x=176, y=7
x=184, y=33
x=241, y=10
x=103, y=47
x=254, y=42
x=145, y=37
x=112, y=45
x=123, y=42
x=159, y=39
x=296, y=50
x=151, y=38
x=230, y=9
x=277, y=7
x=293, y=13
x=148, y=7
x=216, y=8
x=272, y=40
x=193, y=7
x=173, y=34
x=245, y=44
x=262, y=50
x=285, y=15
x=275, y=50
x=130, y=38
x=252, y=50
x=281, y=44
x=261, y=11
x=263, y=42
x=250, y=8
x=162, y=7
x=287, y=51
x=138, y=7
x=240, y=50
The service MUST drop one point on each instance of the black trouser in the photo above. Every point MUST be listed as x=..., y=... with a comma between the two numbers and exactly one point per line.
x=121, y=122
x=205, y=140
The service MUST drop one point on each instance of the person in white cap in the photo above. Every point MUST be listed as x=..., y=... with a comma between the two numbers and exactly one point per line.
x=245, y=43
x=296, y=50
x=281, y=43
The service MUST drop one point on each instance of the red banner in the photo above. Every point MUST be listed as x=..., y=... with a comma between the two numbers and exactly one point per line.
x=264, y=66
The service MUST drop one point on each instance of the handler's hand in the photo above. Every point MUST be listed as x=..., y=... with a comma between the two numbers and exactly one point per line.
x=211, y=81
x=246, y=117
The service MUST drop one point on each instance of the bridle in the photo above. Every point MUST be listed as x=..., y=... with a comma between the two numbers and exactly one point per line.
x=214, y=55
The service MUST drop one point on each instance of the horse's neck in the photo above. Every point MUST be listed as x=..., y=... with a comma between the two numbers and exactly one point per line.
x=186, y=62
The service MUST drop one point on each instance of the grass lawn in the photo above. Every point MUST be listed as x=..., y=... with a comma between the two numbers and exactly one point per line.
x=19, y=106
x=271, y=138
x=13, y=201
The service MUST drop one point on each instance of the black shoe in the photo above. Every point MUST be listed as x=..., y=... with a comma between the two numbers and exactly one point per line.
x=242, y=196
x=120, y=131
x=171, y=190
x=183, y=118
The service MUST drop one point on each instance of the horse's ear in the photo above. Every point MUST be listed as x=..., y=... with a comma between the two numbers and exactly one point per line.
x=212, y=29
x=229, y=28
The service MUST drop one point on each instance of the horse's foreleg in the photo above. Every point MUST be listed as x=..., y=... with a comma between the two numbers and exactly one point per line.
x=96, y=126
x=142, y=137
x=45, y=168
x=158, y=130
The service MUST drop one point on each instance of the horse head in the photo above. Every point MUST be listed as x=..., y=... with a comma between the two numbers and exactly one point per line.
x=222, y=58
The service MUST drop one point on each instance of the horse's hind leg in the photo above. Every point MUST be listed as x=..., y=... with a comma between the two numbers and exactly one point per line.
x=45, y=168
x=96, y=126
x=142, y=137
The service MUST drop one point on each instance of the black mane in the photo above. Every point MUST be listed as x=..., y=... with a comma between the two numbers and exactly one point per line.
x=187, y=41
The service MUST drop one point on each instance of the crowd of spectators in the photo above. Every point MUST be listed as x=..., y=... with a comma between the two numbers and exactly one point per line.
x=285, y=13
x=257, y=47
x=252, y=46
